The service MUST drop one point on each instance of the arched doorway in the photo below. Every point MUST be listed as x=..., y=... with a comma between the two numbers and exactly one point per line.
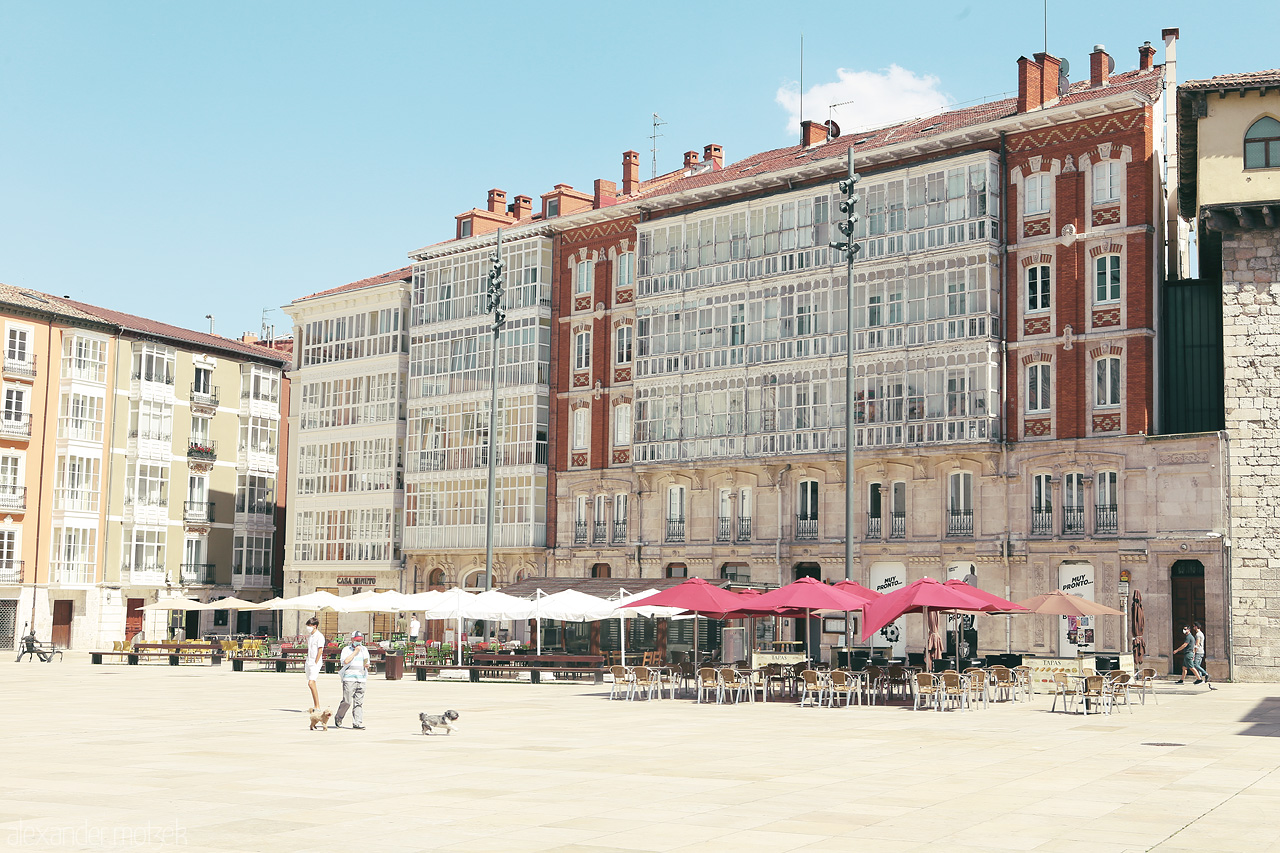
x=677, y=570
x=1186, y=598
x=601, y=570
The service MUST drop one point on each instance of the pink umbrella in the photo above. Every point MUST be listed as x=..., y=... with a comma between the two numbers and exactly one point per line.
x=699, y=598
x=928, y=593
x=805, y=595
x=856, y=588
x=998, y=604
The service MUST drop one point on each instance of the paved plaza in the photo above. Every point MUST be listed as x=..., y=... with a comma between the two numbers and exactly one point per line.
x=206, y=759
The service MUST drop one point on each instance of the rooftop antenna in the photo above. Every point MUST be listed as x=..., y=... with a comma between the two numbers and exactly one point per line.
x=209, y=317
x=657, y=122
x=268, y=331
x=802, y=78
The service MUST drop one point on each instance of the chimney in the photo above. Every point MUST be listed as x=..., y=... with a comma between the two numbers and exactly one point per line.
x=523, y=207
x=630, y=172
x=606, y=193
x=497, y=201
x=1030, y=95
x=812, y=133
x=1050, y=68
x=1099, y=66
x=713, y=154
x=690, y=159
x=1146, y=56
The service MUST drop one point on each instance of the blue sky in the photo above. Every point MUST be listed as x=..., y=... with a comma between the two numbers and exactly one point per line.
x=181, y=159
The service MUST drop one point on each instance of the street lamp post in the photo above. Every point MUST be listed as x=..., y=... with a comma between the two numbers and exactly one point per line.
x=849, y=207
x=493, y=305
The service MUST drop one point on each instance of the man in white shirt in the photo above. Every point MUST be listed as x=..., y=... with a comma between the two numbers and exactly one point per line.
x=315, y=652
x=1202, y=674
x=355, y=671
x=414, y=627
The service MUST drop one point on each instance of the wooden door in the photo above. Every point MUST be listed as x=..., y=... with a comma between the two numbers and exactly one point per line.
x=132, y=617
x=1186, y=583
x=62, y=623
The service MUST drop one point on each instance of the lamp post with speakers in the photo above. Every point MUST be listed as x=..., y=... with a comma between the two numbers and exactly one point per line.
x=493, y=305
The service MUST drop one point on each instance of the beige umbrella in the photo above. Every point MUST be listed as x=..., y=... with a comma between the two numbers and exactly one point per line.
x=1061, y=603
x=230, y=603
x=174, y=604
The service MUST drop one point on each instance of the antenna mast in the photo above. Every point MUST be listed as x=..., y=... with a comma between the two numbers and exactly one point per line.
x=802, y=78
x=657, y=122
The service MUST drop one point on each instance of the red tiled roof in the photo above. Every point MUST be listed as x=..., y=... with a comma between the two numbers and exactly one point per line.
x=402, y=274
x=154, y=328
x=35, y=301
x=1246, y=80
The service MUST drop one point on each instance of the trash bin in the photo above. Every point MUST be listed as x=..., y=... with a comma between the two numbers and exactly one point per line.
x=1106, y=663
x=394, y=664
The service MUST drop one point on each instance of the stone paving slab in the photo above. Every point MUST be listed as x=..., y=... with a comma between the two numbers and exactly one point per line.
x=210, y=760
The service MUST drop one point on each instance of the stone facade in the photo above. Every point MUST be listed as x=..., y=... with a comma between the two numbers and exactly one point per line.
x=1251, y=349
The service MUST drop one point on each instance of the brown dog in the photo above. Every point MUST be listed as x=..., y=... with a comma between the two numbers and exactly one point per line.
x=321, y=717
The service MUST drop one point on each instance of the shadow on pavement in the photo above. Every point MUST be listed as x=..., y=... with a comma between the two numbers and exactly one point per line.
x=1265, y=718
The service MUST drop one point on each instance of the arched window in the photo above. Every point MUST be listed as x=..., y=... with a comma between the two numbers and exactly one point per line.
x=1107, y=386
x=1039, y=386
x=436, y=578
x=1262, y=144
x=582, y=351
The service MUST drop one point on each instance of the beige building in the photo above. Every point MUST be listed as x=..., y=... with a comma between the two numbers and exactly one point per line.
x=1230, y=157
x=150, y=469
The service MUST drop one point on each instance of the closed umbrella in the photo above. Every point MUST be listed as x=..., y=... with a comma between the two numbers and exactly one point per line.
x=933, y=645
x=1139, y=628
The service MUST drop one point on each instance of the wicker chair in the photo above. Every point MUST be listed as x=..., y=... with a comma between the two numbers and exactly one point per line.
x=733, y=684
x=1062, y=687
x=621, y=687
x=1005, y=685
x=975, y=681
x=708, y=683
x=926, y=688
x=811, y=685
x=954, y=689
x=1095, y=690
x=643, y=680
x=1118, y=687
x=843, y=683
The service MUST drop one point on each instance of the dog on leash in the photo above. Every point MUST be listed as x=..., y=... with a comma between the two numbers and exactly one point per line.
x=320, y=718
x=430, y=722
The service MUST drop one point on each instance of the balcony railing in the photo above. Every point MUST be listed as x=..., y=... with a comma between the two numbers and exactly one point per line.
x=204, y=449
x=151, y=435
x=258, y=447
x=806, y=528
x=161, y=376
x=204, y=396
x=601, y=532
x=1041, y=521
x=13, y=497
x=11, y=571
x=264, y=506
x=724, y=529
x=260, y=396
x=15, y=424
x=675, y=529
x=874, y=526
x=75, y=500
x=579, y=533
x=960, y=522
x=197, y=511
x=144, y=575
x=73, y=572
x=20, y=366
x=1107, y=519
x=619, y=532
x=744, y=528
x=250, y=576
x=1073, y=520
x=146, y=500
x=897, y=525
x=198, y=573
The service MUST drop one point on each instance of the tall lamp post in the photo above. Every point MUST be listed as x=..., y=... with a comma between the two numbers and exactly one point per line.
x=849, y=207
x=493, y=305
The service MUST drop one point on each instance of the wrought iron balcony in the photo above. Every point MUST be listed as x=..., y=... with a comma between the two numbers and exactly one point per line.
x=1041, y=521
x=960, y=522
x=149, y=375
x=262, y=506
x=204, y=396
x=198, y=573
x=13, y=498
x=11, y=571
x=600, y=533
x=151, y=435
x=1107, y=520
x=724, y=529
x=20, y=366
x=197, y=511
x=579, y=533
x=260, y=396
x=744, y=528
x=897, y=525
x=15, y=424
x=806, y=528
x=675, y=529
x=874, y=526
x=619, y=532
x=1073, y=521
x=203, y=449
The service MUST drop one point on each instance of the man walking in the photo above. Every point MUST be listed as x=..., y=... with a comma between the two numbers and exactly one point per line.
x=1198, y=665
x=315, y=650
x=414, y=627
x=355, y=671
x=1188, y=650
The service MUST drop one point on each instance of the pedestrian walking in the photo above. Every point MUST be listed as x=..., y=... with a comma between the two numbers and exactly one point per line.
x=1188, y=650
x=414, y=627
x=1198, y=664
x=315, y=651
x=355, y=672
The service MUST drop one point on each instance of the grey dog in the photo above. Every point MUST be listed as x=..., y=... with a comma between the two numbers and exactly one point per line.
x=441, y=721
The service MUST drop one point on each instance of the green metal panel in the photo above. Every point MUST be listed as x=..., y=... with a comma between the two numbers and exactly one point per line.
x=1191, y=389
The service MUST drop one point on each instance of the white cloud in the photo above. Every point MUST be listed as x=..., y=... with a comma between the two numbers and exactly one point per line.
x=879, y=98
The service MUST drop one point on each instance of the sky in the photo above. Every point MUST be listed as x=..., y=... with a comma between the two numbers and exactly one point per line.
x=180, y=159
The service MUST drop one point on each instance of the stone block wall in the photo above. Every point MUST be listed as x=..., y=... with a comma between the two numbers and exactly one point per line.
x=1251, y=356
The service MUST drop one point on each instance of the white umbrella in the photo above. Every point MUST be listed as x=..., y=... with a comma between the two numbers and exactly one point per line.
x=174, y=604
x=496, y=606
x=318, y=600
x=570, y=605
x=452, y=604
x=372, y=602
x=421, y=600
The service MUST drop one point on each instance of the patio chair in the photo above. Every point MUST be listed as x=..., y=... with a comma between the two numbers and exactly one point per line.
x=896, y=678
x=1022, y=674
x=1062, y=687
x=667, y=677
x=773, y=674
x=1095, y=690
x=1118, y=688
x=1003, y=683
x=1146, y=683
x=708, y=683
x=686, y=674
x=926, y=688
x=954, y=690
x=975, y=681
x=733, y=684
x=875, y=682
x=621, y=687
x=843, y=683
x=643, y=680
x=811, y=685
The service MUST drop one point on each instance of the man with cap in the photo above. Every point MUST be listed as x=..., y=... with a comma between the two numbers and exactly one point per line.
x=354, y=672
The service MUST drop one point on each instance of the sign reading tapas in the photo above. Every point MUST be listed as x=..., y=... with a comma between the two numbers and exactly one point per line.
x=354, y=581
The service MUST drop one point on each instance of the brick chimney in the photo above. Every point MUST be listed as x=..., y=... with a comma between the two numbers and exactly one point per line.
x=497, y=201
x=812, y=133
x=1146, y=56
x=630, y=172
x=1099, y=66
x=1050, y=69
x=606, y=193
x=690, y=159
x=713, y=154
x=523, y=207
x=1030, y=95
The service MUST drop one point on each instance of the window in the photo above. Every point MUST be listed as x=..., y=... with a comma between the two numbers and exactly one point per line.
x=1108, y=381
x=1038, y=388
x=8, y=550
x=583, y=278
x=675, y=503
x=1038, y=287
x=582, y=351
x=200, y=430
x=15, y=404
x=1106, y=181
x=1037, y=189
x=1073, y=504
x=619, y=517
x=84, y=358
x=960, y=504
x=1262, y=144
x=146, y=547
x=582, y=505
x=18, y=346
x=203, y=384
x=1041, y=505
x=464, y=228
x=153, y=363
x=147, y=484
x=809, y=500
x=1106, y=278
x=1108, y=500
x=258, y=435
x=623, y=338
x=622, y=424
x=553, y=207
x=898, y=511
x=581, y=428
x=625, y=270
